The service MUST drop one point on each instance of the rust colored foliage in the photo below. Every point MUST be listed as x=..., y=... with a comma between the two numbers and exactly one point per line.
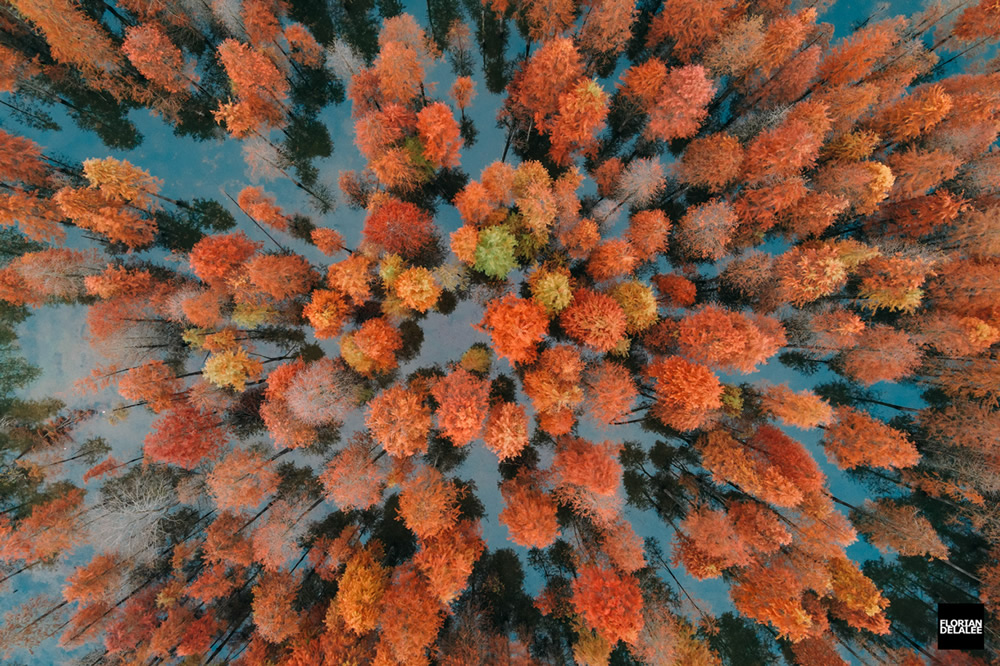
x=417, y=288
x=891, y=526
x=706, y=230
x=411, y=616
x=156, y=58
x=273, y=614
x=280, y=276
x=260, y=206
x=215, y=259
x=506, y=432
x=529, y=512
x=354, y=478
x=428, y=503
x=592, y=466
x=554, y=383
x=352, y=276
x=594, y=319
x=610, y=392
x=398, y=227
x=261, y=90
x=241, y=480
x=184, y=436
x=711, y=162
x=439, y=135
x=803, y=409
x=709, y=544
x=447, y=559
x=731, y=461
x=857, y=439
x=327, y=312
x=771, y=593
x=516, y=326
x=73, y=36
x=361, y=589
x=463, y=401
x=609, y=602
x=153, y=383
x=551, y=71
x=22, y=160
x=399, y=421
x=686, y=392
x=729, y=340
x=882, y=354
x=372, y=348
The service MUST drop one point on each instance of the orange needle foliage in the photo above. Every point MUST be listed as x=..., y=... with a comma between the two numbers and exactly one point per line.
x=399, y=421
x=463, y=401
x=516, y=326
x=857, y=439
x=609, y=602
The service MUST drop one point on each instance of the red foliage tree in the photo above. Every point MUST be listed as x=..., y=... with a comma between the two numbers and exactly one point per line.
x=185, y=436
x=439, y=135
x=516, y=326
x=611, y=603
x=399, y=421
x=398, y=227
x=463, y=401
x=857, y=440
x=594, y=319
x=685, y=392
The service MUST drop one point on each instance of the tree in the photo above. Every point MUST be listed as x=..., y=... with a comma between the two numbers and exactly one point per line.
x=372, y=348
x=609, y=602
x=506, y=431
x=682, y=104
x=273, y=614
x=399, y=421
x=280, y=276
x=95, y=211
x=448, y=558
x=261, y=90
x=610, y=392
x=215, y=259
x=463, y=401
x=327, y=312
x=260, y=206
x=857, y=439
x=892, y=526
x=417, y=288
x=241, y=480
x=361, y=590
x=428, y=503
x=184, y=436
x=153, y=383
x=592, y=466
x=706, y=230
x=321, y=393
x=803, y=409
x=685, y=392
x=22, y=160
x=155, y=56
x=73, y=36
x=729, y=340
x=595, y=319
x=516, y=326
x=882, y=354
x=439, y=135
x=411, y=616
x=353, y=478
x=398, y=227
x=689, y=23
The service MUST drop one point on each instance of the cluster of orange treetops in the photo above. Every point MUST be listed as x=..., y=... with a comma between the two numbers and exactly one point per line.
x=638, y=298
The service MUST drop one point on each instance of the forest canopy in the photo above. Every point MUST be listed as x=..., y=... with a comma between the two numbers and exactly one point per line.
x=514, y=323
